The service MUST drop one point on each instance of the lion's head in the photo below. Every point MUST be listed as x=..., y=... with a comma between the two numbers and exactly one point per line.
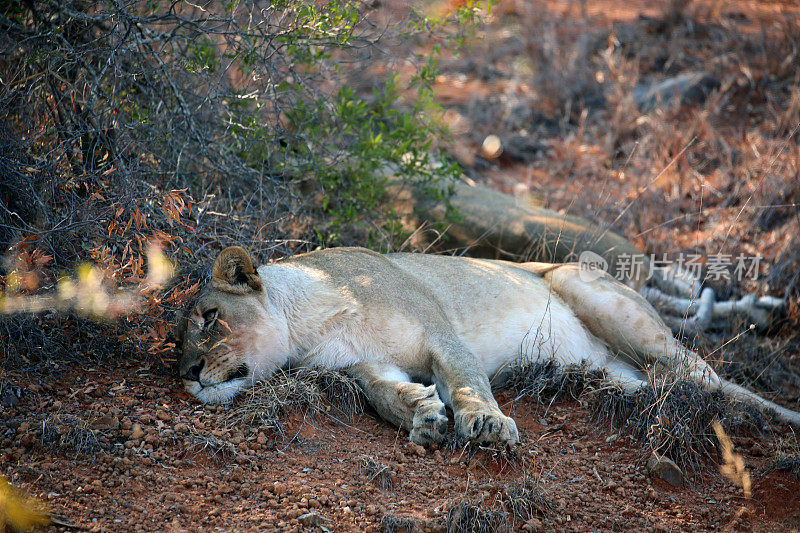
x=232, y=334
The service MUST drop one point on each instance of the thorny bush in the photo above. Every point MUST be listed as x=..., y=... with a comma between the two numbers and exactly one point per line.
x=190, y=127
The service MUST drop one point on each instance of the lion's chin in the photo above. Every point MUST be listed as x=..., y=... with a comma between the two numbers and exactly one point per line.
x=219, y=393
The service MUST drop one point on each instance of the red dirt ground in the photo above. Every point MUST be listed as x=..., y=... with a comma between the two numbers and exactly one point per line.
x=158, y=480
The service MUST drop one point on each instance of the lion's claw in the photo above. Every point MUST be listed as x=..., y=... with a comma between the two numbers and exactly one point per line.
x=487, y=427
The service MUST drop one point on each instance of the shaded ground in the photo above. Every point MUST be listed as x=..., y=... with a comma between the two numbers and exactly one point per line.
x=157, y=460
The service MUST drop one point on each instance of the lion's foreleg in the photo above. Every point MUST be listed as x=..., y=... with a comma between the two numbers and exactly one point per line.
x=622, y=375
x=464, y=383
x=411, y=406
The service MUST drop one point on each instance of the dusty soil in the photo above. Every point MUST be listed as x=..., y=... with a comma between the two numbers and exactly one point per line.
x=148, y=458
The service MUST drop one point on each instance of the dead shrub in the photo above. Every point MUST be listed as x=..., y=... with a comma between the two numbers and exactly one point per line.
x=376, y=472
x=72, y=435
x=469, y=517
x=392, y=524
x=525, y=499
x=310, y=391
x=673, y=418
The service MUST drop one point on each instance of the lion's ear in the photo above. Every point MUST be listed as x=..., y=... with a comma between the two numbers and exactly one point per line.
x=234, y=272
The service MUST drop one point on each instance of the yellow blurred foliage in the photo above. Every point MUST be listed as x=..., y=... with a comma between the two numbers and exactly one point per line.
x=733, y=468
x=19, y=512
x=159, y=267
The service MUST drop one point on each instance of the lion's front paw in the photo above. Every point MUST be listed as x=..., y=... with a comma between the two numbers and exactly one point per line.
x=486, y=426
x=430, y=424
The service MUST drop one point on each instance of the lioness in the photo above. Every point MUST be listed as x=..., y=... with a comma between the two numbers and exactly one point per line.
x=400, y=321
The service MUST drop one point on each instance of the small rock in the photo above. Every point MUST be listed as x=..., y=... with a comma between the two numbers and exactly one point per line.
x=163, y=415
x=664, y=468
x=137, y=432
x=534, y=524
x=310, y=519
x=105, y=423
x=279, y=488
x=181, y=427
x=492, y=147
x=417, y=449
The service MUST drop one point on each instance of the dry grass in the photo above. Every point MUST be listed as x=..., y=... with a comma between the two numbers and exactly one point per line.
x=674, y=418
x=376, y=472
x=71, y=435
x=526, y=499
x=671, y=417
x=787, y=456
x=217, y=448
x=763, y=364
x=393, y=524
x=471, y=517
x=546, y=382
x=309, y=391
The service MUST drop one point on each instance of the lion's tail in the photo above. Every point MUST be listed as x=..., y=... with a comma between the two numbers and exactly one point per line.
x=737, y=392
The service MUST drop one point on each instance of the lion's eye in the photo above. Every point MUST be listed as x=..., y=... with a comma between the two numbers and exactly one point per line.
x=209, y=317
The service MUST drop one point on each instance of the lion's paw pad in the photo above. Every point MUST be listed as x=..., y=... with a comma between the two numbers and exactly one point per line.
x=487, y=427
x=430, y=425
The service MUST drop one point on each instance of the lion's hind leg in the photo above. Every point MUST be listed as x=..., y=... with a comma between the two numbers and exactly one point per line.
x=626, y=323
x=411, y=406
x=629, y=325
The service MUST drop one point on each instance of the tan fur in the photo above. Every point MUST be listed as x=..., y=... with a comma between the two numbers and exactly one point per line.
x=422, y=332
x=233, y=268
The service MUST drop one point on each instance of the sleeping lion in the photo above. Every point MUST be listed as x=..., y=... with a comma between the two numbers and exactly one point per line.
x=424, y=332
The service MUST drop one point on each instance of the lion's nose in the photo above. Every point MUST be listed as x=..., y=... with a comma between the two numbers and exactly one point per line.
x=193, y=374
